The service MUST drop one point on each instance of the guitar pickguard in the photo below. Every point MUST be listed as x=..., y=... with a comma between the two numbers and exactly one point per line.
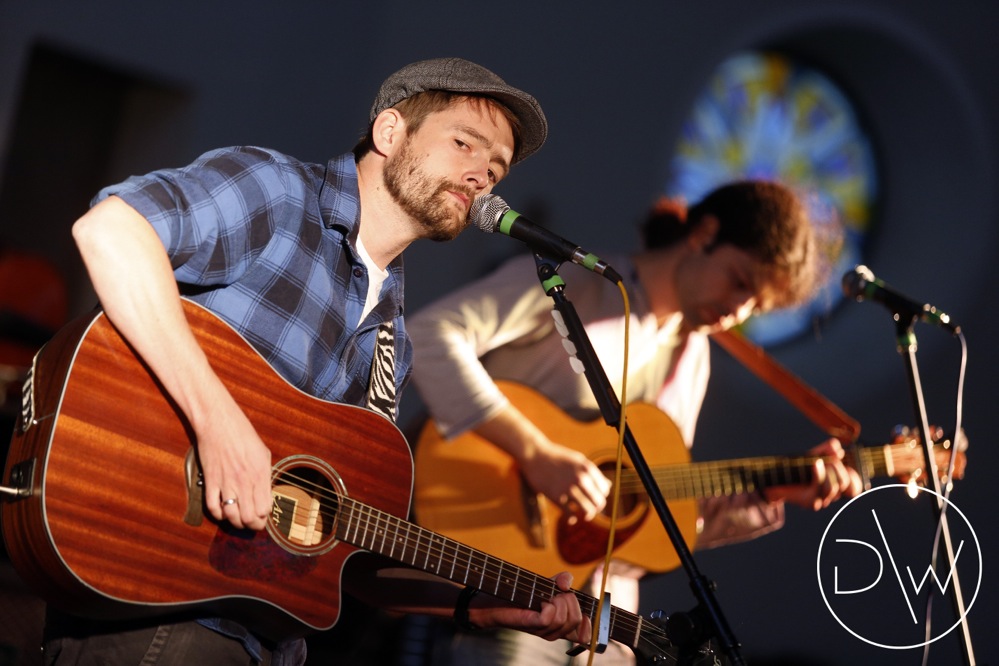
x=246, y=554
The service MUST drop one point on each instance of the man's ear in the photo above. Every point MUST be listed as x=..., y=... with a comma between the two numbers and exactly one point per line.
x=388, y=131
x=704, y=233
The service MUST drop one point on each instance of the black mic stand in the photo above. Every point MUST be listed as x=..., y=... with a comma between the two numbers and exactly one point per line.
x=693, y=628
x=906, y=345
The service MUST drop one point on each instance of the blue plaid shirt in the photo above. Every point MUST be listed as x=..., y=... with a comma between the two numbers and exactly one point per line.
x=267, y=243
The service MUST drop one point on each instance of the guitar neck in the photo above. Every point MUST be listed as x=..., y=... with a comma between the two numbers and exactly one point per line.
x=379, y=532
x=746, y=475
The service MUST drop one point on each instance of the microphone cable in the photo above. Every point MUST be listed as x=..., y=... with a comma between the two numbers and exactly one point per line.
x=951, y=463
x=616, y=492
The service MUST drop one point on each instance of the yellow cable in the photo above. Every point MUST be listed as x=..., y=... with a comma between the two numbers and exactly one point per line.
x=616, y=492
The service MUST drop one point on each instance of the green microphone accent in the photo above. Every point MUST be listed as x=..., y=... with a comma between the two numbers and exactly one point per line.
x=509, y=217
x=551, y=283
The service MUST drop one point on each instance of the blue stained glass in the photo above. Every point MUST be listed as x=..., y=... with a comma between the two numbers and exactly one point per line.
x=762, y=115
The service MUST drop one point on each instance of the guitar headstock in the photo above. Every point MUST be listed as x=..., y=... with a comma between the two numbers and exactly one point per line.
x=905, y=455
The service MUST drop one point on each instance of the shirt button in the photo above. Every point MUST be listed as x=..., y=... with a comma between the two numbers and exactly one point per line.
x=358, y=272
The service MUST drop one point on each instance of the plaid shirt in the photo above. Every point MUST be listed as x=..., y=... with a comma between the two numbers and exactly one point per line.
x=267, y=243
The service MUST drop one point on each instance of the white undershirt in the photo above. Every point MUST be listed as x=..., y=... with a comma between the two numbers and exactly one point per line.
x=376, y=278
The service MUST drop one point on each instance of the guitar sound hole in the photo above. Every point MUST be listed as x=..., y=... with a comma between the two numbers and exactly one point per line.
x=306, y=495
x=629, y=501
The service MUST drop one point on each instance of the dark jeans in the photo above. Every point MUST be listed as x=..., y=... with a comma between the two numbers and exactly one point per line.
x=71, y=641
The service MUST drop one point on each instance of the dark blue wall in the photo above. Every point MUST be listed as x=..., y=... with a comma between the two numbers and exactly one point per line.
x=616, y=81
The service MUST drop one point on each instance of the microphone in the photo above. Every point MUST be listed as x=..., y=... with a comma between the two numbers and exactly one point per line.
x=490, y=213
x=861, y=285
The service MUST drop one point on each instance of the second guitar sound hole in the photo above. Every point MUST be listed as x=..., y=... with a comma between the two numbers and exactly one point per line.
x=629, y=500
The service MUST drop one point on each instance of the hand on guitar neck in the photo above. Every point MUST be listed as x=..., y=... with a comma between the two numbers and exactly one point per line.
x=831, y=479
x=834, y=475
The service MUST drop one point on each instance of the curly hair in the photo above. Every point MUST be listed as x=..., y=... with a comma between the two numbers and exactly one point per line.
x=764, y=218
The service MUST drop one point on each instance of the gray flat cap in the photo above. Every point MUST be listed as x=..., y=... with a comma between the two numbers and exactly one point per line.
x=461, y=76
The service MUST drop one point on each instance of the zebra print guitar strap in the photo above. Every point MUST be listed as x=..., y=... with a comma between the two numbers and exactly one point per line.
x=381, y=388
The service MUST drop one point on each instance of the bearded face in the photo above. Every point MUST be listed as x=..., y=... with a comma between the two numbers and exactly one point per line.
x=425, y=197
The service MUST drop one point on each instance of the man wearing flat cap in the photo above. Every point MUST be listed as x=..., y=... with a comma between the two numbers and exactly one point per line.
x=303, y=261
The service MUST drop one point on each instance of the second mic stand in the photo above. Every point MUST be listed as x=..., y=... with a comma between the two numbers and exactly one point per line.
x=707, y=618
x=906, y=345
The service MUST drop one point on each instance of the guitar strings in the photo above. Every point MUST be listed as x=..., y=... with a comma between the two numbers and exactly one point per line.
x=379, y=525
x=732, y=476
x=491, y=569
x=704, y=479
x=437, y=544
x=526, y=586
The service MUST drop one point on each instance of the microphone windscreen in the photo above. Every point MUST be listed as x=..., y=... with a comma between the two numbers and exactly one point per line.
x=855, y=282
x=486, y=212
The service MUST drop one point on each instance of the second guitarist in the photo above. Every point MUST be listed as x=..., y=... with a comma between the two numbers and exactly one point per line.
x=746, y=247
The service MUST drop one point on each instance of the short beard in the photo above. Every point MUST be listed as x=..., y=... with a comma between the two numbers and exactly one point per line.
x=422, y=197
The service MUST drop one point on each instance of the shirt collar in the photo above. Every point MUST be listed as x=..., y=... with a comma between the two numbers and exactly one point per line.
x=340, y=207
x=340, y=197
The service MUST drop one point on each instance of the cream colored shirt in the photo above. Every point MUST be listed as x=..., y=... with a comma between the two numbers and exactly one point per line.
x=501, y=328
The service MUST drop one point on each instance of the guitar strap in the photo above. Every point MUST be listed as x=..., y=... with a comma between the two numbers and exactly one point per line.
x=819, y=409
x=381, y=386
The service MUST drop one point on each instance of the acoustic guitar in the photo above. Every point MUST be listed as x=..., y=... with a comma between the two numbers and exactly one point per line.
x=469, y=489
x=108, y=519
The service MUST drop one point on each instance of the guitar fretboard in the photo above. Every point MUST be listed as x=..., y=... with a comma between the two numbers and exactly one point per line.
x=379, y=532
x=746, y=475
